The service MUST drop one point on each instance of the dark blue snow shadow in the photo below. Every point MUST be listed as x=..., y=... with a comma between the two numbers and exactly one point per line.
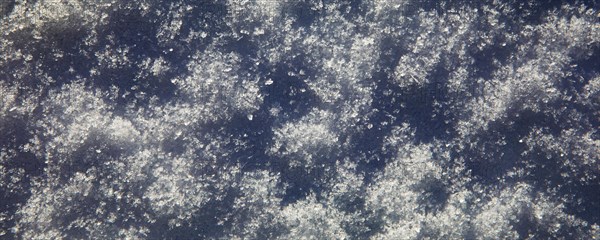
x=434, y=197
x=581, y=199
x=368, y=144
x=124, y=213
x=14, y=134
x=60, y=38
x=294, y=99
x=484, y=66
x=303, y=12
x=97, y=151
x=527, y=12
x=430, y=121
x=138, y=34
x=289, y=92
x=352, y=9
x=6, y=7
x=204, y=224
x=395, y=105
x=585, y=69
x=129, y=30
x=526, y=225
x=548, y=171
x=487, y=159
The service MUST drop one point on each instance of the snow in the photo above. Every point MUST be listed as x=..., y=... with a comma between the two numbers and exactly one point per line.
x=238, y=119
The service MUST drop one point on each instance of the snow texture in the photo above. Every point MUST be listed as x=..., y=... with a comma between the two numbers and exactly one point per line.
x=303, y=119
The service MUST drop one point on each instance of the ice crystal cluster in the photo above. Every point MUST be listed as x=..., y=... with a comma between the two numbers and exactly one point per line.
x=299, y=119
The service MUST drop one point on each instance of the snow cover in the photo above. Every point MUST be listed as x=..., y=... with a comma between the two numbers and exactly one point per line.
x=304, y=119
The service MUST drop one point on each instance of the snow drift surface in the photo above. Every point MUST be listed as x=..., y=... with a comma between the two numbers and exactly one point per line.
x=255, y=119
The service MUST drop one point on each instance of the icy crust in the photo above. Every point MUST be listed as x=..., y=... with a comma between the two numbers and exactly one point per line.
x=241, y=119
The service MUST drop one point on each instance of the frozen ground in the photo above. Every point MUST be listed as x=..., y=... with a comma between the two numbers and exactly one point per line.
x=323, y=119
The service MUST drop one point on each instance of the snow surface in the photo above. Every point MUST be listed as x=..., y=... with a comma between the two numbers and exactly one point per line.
x=303, y=119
